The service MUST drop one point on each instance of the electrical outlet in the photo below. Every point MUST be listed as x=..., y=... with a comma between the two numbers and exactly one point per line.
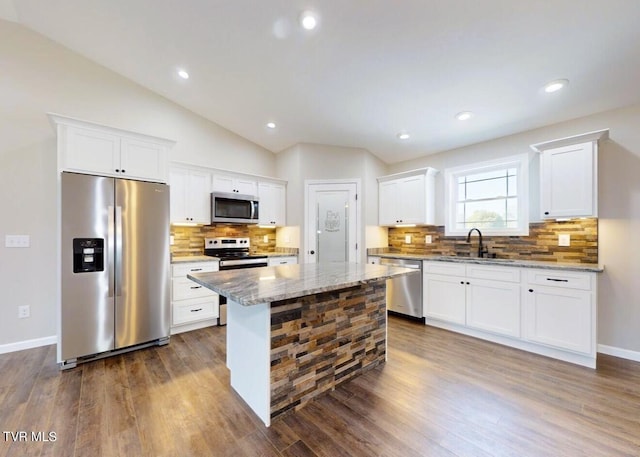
x=17, y=241
x=172, y=240
x=407, y=239
x=24, y=311
x=564, y=239
x=428, y=239
x=265, y=239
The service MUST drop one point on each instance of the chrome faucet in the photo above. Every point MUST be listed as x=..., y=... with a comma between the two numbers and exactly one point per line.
x=481, y=249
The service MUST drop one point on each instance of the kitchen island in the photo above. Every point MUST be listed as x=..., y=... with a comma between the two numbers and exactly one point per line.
x=297, y=331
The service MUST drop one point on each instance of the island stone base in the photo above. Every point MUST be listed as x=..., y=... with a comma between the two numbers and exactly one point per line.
x=319, y=341
x=283, y=354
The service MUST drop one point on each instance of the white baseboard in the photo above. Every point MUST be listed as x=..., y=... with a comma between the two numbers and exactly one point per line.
x=618, y=352
x=28, y=344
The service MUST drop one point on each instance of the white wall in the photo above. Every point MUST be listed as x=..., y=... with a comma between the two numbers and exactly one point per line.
x=313, y=161
x=619, y=208
x=38, y=76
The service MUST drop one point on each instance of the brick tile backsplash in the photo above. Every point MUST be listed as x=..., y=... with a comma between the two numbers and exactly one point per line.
x=540, y=244
x=189, y=241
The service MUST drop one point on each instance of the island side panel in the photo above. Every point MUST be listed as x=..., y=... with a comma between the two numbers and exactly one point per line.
x=319, y=341
x=248, y=349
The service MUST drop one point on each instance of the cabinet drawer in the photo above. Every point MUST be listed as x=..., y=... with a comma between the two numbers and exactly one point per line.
x=191, y=312
x=444, y=268
x=275, y=261
x=195, y=267
x=496, y=273
x=565, y=279
x=184, y=288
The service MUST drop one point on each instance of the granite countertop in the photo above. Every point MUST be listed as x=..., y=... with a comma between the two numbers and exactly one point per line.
x=252, y=286
x=194, y=258
x=587, y=267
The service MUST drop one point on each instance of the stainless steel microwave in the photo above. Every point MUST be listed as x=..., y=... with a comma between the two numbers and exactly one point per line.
x=232, y=208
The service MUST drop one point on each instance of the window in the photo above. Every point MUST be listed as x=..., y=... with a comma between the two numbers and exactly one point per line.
x=490, y=196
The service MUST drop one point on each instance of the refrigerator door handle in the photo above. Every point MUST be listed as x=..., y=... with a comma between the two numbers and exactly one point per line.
x=110, y=244
x=118, y=251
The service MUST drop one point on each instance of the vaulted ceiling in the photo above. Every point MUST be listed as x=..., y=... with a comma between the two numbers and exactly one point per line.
x=370, y=69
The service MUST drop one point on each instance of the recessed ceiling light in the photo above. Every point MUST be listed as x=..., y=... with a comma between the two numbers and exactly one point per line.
x=309, y=20
x=464, y=115
x=183, y=74
x=403, y=135
x=556, y=85
x=271, y=125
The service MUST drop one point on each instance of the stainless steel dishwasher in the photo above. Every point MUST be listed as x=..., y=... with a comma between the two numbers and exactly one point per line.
x=404, y=294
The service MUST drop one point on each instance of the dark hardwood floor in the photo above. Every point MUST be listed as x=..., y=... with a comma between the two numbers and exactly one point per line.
x=439, y=394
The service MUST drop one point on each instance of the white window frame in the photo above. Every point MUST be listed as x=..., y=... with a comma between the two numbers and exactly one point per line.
x=520, y=162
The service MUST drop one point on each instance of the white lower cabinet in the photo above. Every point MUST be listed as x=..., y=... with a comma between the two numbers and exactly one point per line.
x=192, y=305
x=444, y=298
x=493, y=306
x=559, y=310
x=549, y=312
x=458, y=293
x=289, y=260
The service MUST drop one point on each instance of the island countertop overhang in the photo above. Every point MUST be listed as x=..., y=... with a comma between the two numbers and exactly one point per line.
x=253, y=286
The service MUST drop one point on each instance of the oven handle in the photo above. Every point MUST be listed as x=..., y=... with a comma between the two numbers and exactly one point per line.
x=240, y=266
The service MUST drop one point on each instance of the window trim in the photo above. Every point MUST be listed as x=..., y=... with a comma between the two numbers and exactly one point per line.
x=520, y=162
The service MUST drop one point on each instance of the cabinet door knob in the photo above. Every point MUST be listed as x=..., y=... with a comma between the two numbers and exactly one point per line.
x=546, y=213
x=117, y=170
x=462, y=282
x=123, y=170
x=530, y=290
x=312, y=252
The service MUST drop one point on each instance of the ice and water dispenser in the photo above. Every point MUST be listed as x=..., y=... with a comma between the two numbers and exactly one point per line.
x=88, y=255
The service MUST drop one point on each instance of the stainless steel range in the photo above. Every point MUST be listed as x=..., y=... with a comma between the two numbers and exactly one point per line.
x=234, y=253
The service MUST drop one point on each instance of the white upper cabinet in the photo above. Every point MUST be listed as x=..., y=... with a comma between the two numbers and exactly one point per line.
x=568, y=183
x=407, y=198
x=90, y=148
x=569, y=176
x=272, y=203
x=190, y=195
x=235, y=184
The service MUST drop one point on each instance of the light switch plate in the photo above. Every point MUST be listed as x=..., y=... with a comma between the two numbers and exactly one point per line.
x=428, y=239
x=17, y=241
x=564, y=239
x=407, y=239
x=265, y=239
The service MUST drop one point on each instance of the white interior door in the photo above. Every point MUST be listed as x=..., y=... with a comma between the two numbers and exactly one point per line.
x=331, y=222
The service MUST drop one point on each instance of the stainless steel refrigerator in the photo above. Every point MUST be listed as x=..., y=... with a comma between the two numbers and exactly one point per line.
x=115, y=266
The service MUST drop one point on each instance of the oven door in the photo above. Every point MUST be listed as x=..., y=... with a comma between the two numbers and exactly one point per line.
x=234, y=208
x=236, y=265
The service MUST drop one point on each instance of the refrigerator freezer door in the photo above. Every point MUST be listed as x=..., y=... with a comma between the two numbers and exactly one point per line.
x=142, y=311
x=87, y=316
